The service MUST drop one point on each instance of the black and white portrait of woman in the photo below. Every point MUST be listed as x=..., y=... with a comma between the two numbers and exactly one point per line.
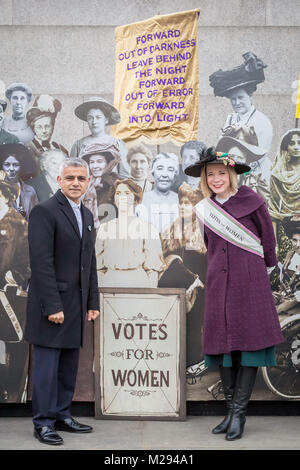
x=41, y=119
x=14, y=276
x=19, y=165
x=5, y=137
x=285, y=179
x=98, y=114
x=238, y=85
x=45, y=183
x=19, y=95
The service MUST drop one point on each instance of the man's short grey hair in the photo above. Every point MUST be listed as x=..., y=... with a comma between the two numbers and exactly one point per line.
x=74, y=162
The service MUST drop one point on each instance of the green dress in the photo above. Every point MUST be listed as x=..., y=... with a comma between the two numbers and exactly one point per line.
x=262, y=358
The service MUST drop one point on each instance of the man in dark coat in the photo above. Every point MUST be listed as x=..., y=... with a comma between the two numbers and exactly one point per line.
x=63, y=288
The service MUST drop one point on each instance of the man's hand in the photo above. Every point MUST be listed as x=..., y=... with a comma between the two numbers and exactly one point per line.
x=92, y=314
x=56, y=317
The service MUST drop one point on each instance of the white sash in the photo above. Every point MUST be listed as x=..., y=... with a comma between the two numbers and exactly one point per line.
x=227, y=227
x=11, y=314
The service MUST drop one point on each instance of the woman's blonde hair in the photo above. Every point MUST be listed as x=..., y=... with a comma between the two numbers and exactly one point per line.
x=207, y=192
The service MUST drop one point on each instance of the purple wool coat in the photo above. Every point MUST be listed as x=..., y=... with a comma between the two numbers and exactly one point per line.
x=239, y=313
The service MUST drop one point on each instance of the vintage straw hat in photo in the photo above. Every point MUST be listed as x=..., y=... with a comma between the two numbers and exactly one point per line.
x=110, y=152
x=110, y=112
x=209, y=156
x=250, y=73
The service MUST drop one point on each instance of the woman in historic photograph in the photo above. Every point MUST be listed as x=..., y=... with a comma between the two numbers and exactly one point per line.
x=45, y=183
x=285, y=179
x=139, y=159
x=128, y=249
x=190, y=153
x=5, y=137
x=241, y=325
x=102, y=159
x=19, y=165
x=14, y=275
x=19, y=96
x=244, y=148
x=41, y=119
x=238, y=85
x=185, y=265
x=287, y=297
x=98, y=114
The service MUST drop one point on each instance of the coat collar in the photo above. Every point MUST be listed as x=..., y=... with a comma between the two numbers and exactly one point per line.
x=68, y=211
x=244, y=202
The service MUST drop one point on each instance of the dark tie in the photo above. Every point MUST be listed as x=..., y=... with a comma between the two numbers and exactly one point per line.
x=46, y=143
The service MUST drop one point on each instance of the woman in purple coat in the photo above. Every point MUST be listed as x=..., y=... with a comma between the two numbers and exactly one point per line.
x=241, y=325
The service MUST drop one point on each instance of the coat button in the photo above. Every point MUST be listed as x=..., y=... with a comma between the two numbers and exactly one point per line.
x=224, y=270
x=224, y=250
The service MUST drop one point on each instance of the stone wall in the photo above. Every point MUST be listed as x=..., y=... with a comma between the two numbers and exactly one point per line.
x=66, y=48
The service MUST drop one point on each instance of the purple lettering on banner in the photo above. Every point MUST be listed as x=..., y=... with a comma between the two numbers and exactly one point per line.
x=159, y=67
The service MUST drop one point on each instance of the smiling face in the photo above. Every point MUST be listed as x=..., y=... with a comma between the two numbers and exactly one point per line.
x=74, y=182
x=96, y=121
x=218, y=179
x=43, y=128
x=19, y=103
x=12, y=167
x=97, y=164
x=164, y=172
x=240, y=101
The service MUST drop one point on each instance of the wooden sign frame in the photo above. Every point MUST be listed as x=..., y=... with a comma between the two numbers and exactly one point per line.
x=120, y=339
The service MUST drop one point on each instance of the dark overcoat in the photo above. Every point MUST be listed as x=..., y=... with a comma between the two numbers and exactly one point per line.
x=63, y=273
x=240, y=314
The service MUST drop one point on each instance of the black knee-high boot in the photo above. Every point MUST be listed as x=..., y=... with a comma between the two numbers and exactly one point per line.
x=243, y=389
x=228, y=378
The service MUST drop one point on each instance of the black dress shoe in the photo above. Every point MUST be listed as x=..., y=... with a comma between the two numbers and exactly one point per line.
x=47, y=435
x=71, y=425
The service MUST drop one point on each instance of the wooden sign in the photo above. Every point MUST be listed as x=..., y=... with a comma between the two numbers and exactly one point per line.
x=140, y=354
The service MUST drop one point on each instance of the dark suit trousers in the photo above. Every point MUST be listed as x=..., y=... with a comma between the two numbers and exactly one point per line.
x=54, y=379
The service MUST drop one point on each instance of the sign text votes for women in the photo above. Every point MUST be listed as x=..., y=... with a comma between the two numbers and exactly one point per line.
x=140, y=354
x=156, y=80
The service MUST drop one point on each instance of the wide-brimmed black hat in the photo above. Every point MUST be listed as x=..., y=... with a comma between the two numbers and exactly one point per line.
x=109, y=111
x=250, y=73
x=209, y=156
x=22, y=154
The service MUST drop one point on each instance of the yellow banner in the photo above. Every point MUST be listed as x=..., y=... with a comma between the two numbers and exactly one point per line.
x=157, y=79
x=298, y=102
